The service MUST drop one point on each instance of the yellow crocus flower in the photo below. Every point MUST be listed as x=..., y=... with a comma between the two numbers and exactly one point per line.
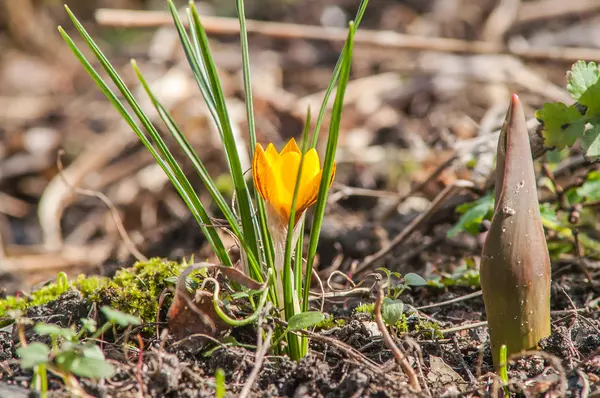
x=275, y=177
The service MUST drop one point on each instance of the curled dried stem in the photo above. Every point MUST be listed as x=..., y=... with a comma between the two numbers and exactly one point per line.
x=400, y=357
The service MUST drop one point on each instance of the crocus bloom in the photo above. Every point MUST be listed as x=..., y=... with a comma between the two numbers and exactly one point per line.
x=275, y=177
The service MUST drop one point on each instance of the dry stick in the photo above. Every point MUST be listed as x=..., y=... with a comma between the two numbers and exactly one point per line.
x=113, y=210
x=419, y=187
x=344, y=191
x=500, y=20
x=400, y=357
x=548, y=9
x=260, y=356
x=439, y=200
x=464, y=327
x=484, y=323
x=351, y=352
x=462, y=361
x=373, y=38
x=451, y=301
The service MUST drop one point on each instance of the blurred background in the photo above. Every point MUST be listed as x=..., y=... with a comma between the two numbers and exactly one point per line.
x=430, y=82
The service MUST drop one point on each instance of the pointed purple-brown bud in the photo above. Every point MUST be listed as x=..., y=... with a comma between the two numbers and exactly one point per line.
x=515, y=266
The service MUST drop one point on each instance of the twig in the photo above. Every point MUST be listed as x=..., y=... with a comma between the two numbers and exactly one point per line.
x=451, y=301
x=484, y=323
x=438, y=202
x=464, y=327
x=344, y=191
x=381, y=39
x=345, y=348
x=462, y=361
x=547, y=9
x=359, y=291
x=401, y=359
x=500, y=20
x=113, y=210
x=419, y=187
x=258, y=361
x=140, y=364
x=12, y=206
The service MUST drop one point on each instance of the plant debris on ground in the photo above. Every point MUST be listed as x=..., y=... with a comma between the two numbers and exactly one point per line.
x=421, y=116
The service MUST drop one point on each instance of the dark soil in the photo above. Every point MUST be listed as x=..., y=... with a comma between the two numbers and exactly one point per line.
x=394, y=137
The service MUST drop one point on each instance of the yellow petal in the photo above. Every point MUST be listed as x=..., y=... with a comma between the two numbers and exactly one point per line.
x=291, y=146
x=310, y=193
x=272, y=154
x=287, y=168
x=332, y=175
x=310, y=167
x=262, y=173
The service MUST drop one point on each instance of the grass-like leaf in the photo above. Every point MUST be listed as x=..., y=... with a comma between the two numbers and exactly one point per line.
x=290, y=297
x=243, y=200
x=336, y=74
x=328, y=164
x=161, y=154
x=202, y=172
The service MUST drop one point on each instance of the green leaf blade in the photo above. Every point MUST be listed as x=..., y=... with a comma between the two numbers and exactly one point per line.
x=581, y=77
x=562, y=124
x=392, y=310
x=304, y=320
x=33, y=354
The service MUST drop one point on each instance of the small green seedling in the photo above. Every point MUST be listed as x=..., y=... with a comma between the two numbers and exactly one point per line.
x=70, y=354
x=393, y=308
x=220, y=390
x=504, y=370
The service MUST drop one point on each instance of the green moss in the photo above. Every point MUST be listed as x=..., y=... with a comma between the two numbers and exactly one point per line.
x=133, y=290
x=43, y=295
x=330, y=322
x=429, y=329
x=365, y=308
x=401, y=326
x=136, y=290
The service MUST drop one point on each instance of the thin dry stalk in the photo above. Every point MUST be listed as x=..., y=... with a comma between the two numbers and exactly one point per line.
x=451, y=301
x=261, y=351
x=438, y=202
x=400, y=357
x=378, y=39
x=106, y=200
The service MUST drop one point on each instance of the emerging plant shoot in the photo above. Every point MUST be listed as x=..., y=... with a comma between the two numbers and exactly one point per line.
x=515, y=266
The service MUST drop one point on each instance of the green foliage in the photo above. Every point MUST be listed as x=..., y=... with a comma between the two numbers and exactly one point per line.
x=117, y=317
x=70, y=354
x=429, y=329
x=246, y=219
x=392, y=310
x=395, y=289
x=564, y=124
x=220, y=390
x=589, y=191
x=504, y=369
x=465, y=275
x=33, y=355
x=472, y=215
x=365, y=308
x=330, y=322
x=581, y=77
x=304, y=320
x=134, y=291
x=41, y=296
